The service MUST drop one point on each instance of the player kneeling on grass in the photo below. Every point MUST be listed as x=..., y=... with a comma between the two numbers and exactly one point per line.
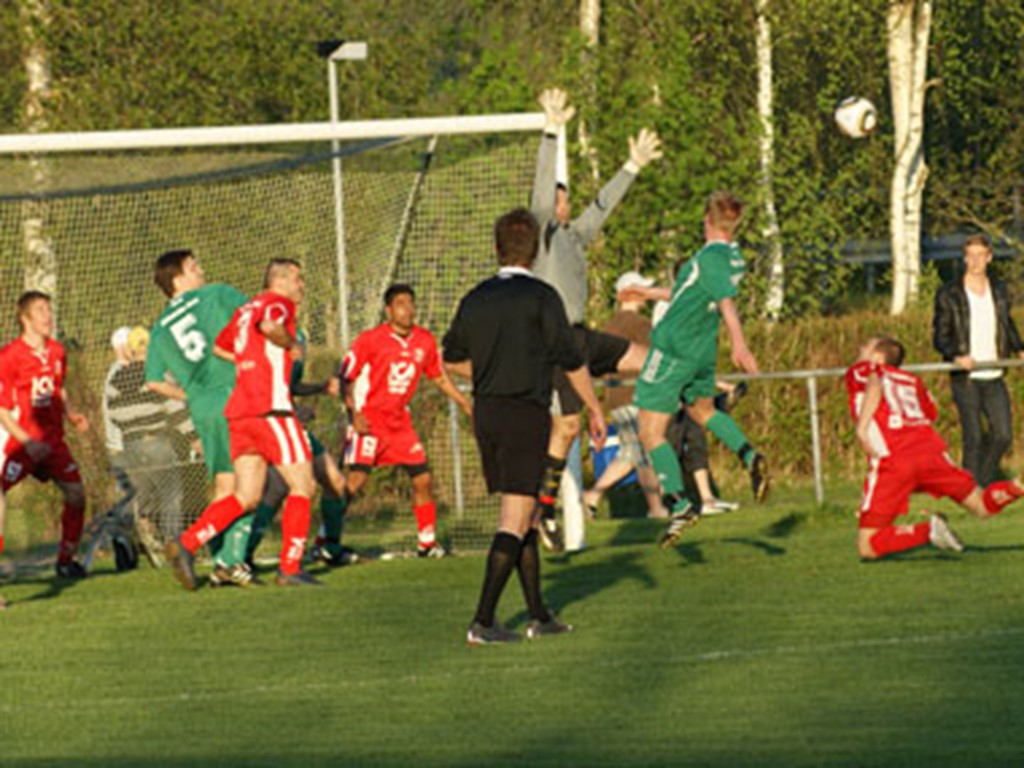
x=263, y=427
x=894, y=414
x=32, y=410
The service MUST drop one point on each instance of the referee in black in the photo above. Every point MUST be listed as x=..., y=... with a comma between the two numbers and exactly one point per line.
x=508, y=335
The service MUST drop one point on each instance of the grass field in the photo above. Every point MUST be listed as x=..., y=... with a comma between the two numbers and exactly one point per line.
x=759, y=641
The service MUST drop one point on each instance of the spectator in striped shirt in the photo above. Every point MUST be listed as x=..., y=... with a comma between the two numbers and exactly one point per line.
x=145, y=433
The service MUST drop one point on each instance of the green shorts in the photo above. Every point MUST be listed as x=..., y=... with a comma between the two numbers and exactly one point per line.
x=211, y=426
x=664, y=380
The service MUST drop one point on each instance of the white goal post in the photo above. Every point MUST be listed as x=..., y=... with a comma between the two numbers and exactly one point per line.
x=89, y=213
x=240, y=135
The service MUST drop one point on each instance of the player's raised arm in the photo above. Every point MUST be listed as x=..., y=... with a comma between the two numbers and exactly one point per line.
x=557, y=113
x=644, y=148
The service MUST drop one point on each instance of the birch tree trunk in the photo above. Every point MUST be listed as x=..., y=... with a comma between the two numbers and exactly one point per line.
x=40, y=260
x=908, y=26
x=590, y=26
x=776, y=269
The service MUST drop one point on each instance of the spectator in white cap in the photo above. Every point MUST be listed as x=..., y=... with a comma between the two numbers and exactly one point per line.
x=145, y=436
x=114, y=440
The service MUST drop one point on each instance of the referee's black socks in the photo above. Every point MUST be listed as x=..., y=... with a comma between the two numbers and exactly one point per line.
x=529, y=577
x=501, y=560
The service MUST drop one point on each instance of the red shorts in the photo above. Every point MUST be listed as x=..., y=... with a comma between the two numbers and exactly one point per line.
x=281, y=440
x=59, y=465
x=891, y=480
x=399, y=447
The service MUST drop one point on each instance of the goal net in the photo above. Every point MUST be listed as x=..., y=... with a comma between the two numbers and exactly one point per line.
x=86, y=227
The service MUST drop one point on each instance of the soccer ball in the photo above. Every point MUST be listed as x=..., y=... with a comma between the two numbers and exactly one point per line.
x=856, y=117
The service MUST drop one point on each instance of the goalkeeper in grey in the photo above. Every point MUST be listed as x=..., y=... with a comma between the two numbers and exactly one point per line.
x=562, y=263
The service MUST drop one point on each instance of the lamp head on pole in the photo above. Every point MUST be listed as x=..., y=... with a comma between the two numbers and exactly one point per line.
x=341, y=50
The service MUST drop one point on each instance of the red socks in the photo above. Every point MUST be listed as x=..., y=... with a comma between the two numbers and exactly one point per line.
x=294, y=530
x=71, y=521
x=426, y=518
x=898, y=538
x=215, y=518
x=999, y=494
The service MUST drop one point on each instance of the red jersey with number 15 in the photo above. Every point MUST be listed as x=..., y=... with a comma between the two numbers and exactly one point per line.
x=904, y=418
x=262, y=368
x=31, y=387
x=386, y=368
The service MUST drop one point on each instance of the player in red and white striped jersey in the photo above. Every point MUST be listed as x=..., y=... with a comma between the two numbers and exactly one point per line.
x=382, y=369
x=894, y=414
x=263, y=426
x=32, y=411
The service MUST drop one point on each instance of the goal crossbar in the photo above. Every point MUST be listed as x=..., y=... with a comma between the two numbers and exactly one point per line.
x=236, y=135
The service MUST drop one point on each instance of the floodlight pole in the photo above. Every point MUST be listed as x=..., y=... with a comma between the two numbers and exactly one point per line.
x=344, y=51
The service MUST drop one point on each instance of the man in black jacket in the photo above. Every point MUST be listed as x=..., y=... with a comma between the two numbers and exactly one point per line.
x=972, y=324
x=508, y=334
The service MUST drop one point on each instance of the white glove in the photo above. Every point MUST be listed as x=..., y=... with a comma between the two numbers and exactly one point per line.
x=643, y=148
x=556, y=111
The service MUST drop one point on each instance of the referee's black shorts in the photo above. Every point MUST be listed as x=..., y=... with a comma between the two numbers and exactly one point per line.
x=513, y=439
x=601, y=351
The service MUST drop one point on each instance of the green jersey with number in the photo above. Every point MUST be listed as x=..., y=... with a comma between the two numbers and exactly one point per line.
x=689, y=328
x=181, y=341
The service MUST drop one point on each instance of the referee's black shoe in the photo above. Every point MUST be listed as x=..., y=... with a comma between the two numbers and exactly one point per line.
x=549, y=531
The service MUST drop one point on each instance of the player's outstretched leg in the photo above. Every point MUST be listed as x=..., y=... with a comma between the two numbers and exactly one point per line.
x=876, y=543
x=993, y=499
x=550, y=533
x=683, y=513
x=728, y=431
x=216, y=518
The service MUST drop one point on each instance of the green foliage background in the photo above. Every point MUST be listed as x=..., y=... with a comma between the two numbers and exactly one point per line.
x=686, y=68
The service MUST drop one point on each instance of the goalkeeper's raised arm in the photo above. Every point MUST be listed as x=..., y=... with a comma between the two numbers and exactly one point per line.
x=644, y=148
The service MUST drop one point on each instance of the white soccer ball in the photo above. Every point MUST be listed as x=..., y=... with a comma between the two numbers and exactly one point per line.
x=856, y=117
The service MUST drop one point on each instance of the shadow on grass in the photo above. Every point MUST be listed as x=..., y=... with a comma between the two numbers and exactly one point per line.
x=638, y=531
x=784, y=527
x=914, y=555
x=772, y=550
x=53, y=585
x=565, y=586
x=690, y=552
x=994, y=548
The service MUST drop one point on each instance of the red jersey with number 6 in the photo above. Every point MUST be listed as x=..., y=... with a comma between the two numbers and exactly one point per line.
x=904, y=418
x=385, y=368
x=31, y=387
x=262, y=368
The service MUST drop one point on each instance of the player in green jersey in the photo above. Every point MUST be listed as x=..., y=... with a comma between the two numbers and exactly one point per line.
x=684, y=350
x=181, y=347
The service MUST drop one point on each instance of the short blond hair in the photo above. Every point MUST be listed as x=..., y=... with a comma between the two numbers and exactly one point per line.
x=725, y=211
